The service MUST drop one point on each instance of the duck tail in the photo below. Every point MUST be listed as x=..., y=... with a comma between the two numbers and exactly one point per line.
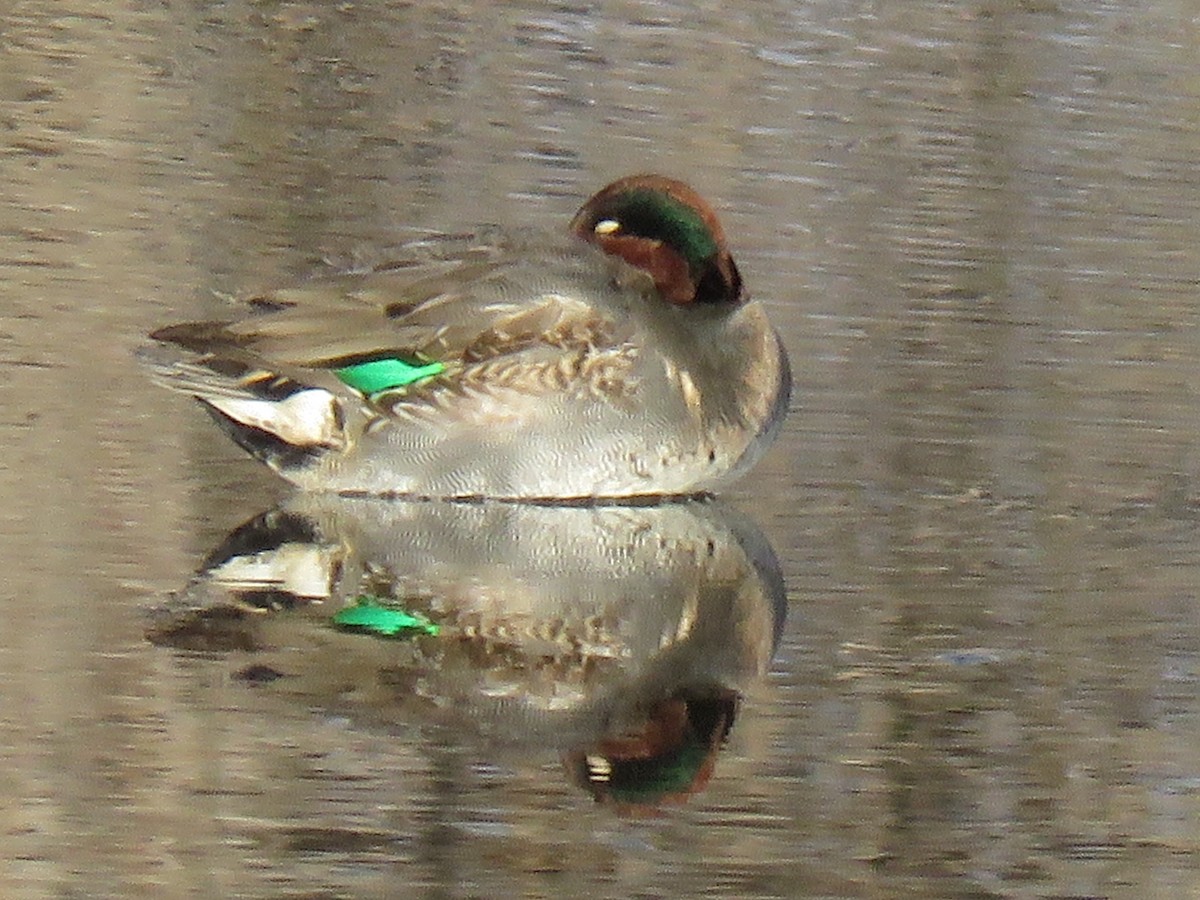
x=287, y=424
x=288, y=435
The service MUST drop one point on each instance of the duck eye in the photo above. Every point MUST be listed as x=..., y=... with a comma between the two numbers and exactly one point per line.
x=606, y=227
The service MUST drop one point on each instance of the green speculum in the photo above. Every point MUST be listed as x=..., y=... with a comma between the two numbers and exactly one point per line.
x=387, y=374
x=369, y=616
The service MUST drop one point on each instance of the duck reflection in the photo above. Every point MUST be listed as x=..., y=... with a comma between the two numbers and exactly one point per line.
x=620, y=636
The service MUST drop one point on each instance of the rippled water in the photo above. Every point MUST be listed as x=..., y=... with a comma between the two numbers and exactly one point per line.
x=974, y=224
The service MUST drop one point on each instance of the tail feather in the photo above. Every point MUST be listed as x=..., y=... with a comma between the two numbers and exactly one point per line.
x=283, y=422
x=264, y=445
x=306, y=418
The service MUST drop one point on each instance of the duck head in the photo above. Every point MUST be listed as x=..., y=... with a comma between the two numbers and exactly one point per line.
x=663, y=227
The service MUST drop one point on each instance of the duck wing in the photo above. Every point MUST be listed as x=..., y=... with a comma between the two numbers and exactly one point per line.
x=447, y=300
x=431, y=336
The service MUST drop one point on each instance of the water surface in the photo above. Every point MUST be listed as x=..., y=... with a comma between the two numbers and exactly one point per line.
x=975, y=226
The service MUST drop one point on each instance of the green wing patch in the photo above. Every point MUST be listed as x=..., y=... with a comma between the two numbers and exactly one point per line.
x=369, y=616
x=387, y=374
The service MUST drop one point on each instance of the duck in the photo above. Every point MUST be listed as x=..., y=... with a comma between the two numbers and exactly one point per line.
x=619, y=359
x=622, y=639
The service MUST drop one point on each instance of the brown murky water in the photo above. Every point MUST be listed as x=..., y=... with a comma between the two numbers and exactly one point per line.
x=976, y=227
